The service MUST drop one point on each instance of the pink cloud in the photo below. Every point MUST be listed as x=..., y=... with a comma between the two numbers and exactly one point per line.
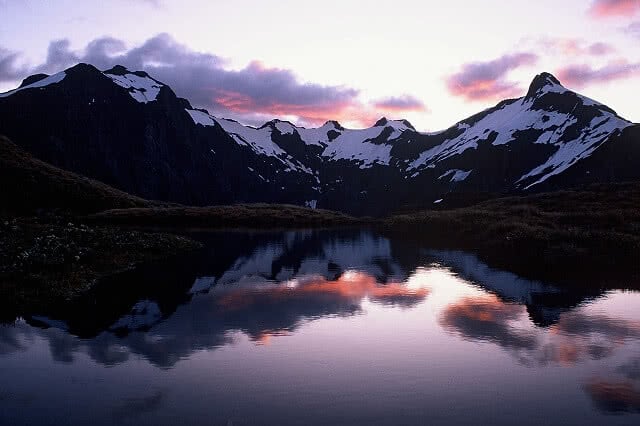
x=481, y=81
x=610, y=8
x=576, y=47
x=583, y=75
x=242, y=104
x=251, y=93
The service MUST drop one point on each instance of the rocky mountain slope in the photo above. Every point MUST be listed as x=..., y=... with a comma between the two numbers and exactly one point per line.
x=131, y=131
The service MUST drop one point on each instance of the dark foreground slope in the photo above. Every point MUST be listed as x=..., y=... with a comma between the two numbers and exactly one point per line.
x=51, y=251
x=45, y=256
x=28, y=185
x=594, y=231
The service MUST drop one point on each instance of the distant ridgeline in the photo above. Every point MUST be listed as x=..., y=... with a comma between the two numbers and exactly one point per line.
x=132, y=132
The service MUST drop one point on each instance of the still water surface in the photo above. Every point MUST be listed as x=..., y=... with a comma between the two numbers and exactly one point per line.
x=328, y=328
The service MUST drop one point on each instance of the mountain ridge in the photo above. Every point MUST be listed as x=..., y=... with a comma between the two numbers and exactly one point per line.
x=142, y=138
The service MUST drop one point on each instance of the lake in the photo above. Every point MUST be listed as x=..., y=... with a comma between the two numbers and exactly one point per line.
x=326, y=327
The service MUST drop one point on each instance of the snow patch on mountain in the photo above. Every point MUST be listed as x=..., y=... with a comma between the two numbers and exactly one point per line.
x=351, y=145
x=317, y=136
x=355, y=145
x=513, y=116
x=52, y=79
x=504, y=121
x=259, y=140
x=142, y=89
x=200, y=117
x=456, y=175
x=502, y=125
x=569, y=153
x=284, y=127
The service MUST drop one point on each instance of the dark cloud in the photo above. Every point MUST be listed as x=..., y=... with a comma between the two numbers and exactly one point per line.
x=610, y=8
x=583, y=75
x=400, y=104
x=10, y=70
x=480, y=81
x=254, y=91
x=59, y=56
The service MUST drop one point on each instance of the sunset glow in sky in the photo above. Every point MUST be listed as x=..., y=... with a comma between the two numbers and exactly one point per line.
x=431, y=62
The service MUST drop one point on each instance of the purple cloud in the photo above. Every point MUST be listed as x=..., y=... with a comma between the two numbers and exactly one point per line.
x=400, y=104
x=575, y=47
x=10, y=70
x=583, y=75
x=600, y=49
x=481, y=81
x=251, y=93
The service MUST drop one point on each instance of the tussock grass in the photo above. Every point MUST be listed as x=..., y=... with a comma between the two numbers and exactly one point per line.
x=594, y=230
x=240, y=215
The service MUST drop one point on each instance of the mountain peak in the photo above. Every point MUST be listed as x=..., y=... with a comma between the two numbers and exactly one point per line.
x=33, y=79
x=543, y=81
x=118, y=70
x=336, y=125
x=407, y=123
x=274, y=122
x=382, y=122
x=122, y=70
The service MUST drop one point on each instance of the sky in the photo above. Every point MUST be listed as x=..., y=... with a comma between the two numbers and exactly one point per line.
x=429, y=61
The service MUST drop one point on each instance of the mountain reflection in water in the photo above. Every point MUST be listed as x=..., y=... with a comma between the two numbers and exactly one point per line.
x=349, y=326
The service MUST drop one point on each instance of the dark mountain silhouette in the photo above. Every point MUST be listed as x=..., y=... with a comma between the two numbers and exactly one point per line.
x=132, y=132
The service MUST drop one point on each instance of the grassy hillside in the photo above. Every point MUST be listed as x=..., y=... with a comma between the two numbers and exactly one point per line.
x=239, y=215
x=28, y=185
x=594, y=230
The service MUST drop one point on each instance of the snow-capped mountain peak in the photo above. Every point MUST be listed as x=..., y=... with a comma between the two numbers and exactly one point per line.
x=381, y=123
x=544, y=83
x=139, y=84
x=401, y=124
x=110, y=126
x=333, y=124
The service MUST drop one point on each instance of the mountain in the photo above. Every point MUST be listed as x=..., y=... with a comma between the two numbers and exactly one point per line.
x=131, y=131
